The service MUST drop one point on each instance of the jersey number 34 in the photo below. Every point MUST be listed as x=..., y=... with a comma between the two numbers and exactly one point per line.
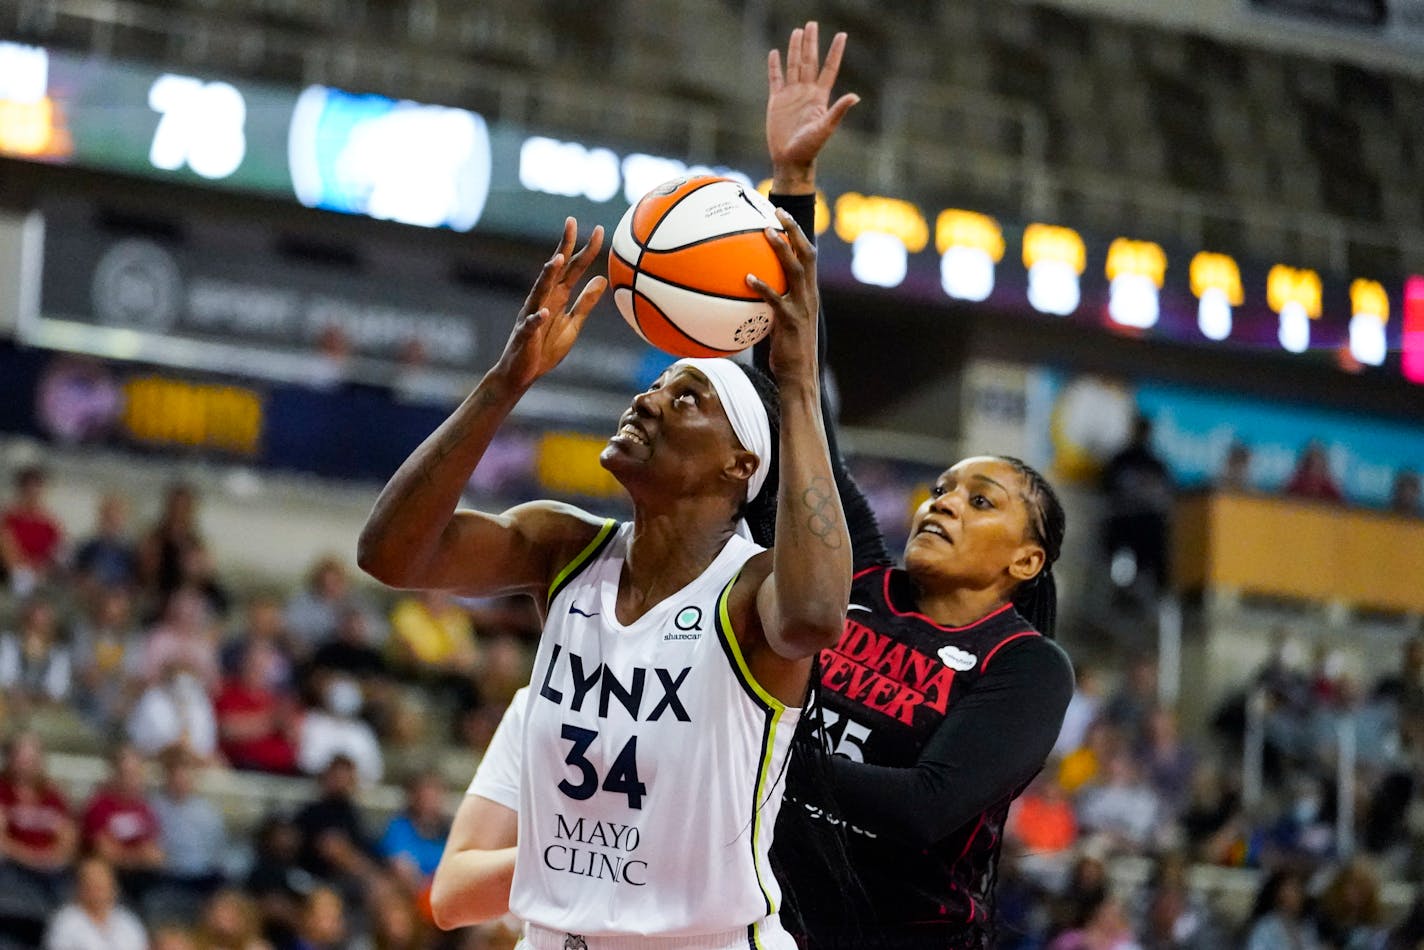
x=621, y=778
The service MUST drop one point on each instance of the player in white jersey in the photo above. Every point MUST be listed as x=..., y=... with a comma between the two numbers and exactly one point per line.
x=675, y=653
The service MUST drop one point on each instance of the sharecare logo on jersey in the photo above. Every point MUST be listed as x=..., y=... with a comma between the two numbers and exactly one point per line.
x=582, y=683
x=881, y=674
x=597, y=849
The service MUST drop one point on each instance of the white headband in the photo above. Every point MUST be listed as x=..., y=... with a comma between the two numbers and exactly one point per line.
x=744, y=409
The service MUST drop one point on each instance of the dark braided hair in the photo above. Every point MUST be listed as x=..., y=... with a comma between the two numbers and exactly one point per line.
x=760, y=512
x=1037, y=599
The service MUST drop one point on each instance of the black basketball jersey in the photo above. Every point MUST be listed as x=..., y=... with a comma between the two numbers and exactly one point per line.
x=885, y=688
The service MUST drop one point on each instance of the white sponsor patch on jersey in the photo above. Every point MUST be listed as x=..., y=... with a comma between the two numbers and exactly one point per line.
x=957, y=659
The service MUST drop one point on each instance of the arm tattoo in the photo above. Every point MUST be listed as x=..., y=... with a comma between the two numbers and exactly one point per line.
x=822, y=519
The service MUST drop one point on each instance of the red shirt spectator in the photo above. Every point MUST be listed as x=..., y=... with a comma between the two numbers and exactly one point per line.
x=30, y=536
x=255, y=722
x=118, y=822
x=1312, y=478
x=38, y=827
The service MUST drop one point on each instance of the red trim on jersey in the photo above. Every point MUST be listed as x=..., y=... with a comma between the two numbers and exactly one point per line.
x=938, y=626
x=1027, y=633
x=866, y=570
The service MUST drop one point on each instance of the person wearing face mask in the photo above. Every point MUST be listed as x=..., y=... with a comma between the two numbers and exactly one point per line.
x=336, y=730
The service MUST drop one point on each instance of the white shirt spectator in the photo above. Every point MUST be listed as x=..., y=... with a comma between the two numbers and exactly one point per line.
x=324, y=736
x=178, y=710
x=73, y=929
x=192, y=833
x=48, y=678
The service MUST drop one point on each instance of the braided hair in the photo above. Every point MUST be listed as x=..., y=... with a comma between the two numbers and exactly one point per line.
x=1037, y=598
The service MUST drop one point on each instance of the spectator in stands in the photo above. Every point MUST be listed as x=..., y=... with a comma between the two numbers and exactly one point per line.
x=1278, y=919
x=1124, y=807
x=395, y=924
x=31, y=539
x=263, y=623
x=1404, y=494
x=95, y=920
x=433, y=637
x=1085, y=764
x=1236, y=470
x=1083, y=709
x=1168, y=761
x=1138, y=486
x=191, y=829
x=315, y=612
x=1135, y=698
x=332, y=361
x=335, y=847
x=1349, y=915
x=1041, y=821
x=1101, y=925
x=505, y=664
x=108, y=655
x=349, y=652
x=1311, y=478
x=323, y=922
x=199, y=573
x=336, y=731
x=1212, y=820
x=120, y=826
x=276, y=880
x=38, y=834
x=231, y=922
x=184, y=637
x=164, y=548
x=1304, y=833
x=36, y=668
x=108, y=558
x=414, y=840
x=1405, y=690
x=1173, y=917
x=257, y=725
x=175, y=713
x=173, y=936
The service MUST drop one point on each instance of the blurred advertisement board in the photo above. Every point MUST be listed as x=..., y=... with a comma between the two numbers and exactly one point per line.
x=428, y=165
x=1083, y=420
x=207, y=302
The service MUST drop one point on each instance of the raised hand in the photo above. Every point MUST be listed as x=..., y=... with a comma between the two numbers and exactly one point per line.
x=547, y=326
x=799, y=116
x=794, y=324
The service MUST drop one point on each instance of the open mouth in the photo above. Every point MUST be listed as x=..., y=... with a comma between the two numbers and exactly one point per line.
x=632, y=433
x=930, y=527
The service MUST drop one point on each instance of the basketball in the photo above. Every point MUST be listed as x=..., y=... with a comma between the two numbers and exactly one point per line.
x=679, y=261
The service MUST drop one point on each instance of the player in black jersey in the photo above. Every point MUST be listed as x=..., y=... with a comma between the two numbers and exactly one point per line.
x=945, y=694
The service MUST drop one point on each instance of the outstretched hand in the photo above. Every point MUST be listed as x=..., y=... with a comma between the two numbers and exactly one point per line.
x=547, y=326
x=794, y=321
x=799, y=116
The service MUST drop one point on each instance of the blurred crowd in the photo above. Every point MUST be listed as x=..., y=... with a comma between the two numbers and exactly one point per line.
x=130, y=643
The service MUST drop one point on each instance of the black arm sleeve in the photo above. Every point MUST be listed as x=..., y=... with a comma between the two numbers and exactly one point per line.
x=867, y=543
x=992, y=741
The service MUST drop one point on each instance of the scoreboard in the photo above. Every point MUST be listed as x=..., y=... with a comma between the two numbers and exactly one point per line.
x=434, y=166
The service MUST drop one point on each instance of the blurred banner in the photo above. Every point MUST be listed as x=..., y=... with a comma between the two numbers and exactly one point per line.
x=1084, y=420
x=231, y=299
x=344, y=431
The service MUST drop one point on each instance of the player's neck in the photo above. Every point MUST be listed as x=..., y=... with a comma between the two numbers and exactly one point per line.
x=668, y=550
x=958, y=607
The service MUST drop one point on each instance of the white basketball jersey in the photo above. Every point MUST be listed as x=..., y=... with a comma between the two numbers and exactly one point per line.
x=653, y=763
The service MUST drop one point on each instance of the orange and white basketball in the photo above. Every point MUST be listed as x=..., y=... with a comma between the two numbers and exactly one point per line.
x=679, y=261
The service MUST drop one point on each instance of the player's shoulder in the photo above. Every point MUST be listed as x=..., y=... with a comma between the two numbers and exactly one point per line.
x=558, y=524
x=1030, y=653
